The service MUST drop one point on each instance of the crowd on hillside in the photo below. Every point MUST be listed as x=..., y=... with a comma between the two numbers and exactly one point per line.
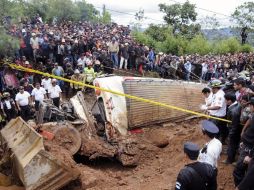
x=81, y=51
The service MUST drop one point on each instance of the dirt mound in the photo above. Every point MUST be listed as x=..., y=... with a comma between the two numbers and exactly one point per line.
x=157, y=168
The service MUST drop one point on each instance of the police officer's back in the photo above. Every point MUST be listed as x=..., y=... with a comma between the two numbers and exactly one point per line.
x=195, y=175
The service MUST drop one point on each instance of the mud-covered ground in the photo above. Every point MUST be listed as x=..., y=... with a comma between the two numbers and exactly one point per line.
x=158, y=167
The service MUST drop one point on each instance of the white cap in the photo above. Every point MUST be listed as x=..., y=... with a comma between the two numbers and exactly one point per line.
x=76, y=71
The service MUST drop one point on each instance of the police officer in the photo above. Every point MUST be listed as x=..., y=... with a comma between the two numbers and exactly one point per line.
x=210, y=153
x=233, y=114
x=195, y=175
x=246, y=148
x=218, y=109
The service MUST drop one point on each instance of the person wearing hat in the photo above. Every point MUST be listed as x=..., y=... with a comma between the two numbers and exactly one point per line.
x=246, y=148
x=8, y=106
x=46, y=84
x=233, y=115
x=23, y=102
x=34, y=42
x=89, y=72
x=195, y=175
x=55, y=93
x=218, y=108
x=79, y=78
x=210, y=153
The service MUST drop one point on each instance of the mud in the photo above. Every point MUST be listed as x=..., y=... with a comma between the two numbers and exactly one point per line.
x=160, y=159
x=157, y=167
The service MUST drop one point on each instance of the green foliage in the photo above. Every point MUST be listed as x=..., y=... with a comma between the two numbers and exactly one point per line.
x=162, y=39
x=198, y=45
x=246, y=48
x=67, y=10
x=8, y=44
x=179, y=16
x=244, y=15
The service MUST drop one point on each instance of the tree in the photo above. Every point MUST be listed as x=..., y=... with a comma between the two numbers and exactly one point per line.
x=106, y=16
x=179, y=16
x=244, y=15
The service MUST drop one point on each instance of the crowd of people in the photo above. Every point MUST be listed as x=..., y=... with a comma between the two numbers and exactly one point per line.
x=81, y=51
x=231, y=125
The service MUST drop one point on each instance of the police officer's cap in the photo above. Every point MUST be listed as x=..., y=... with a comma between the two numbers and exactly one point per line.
x=191, y=149
x=210, y=128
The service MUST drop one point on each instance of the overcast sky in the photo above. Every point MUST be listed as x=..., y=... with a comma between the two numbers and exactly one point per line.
x=225, y=7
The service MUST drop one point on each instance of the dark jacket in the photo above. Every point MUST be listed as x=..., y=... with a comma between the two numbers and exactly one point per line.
x=197, y=176
x=234, y=114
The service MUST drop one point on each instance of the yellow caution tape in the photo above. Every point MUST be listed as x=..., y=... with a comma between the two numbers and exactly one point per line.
x=18, y=67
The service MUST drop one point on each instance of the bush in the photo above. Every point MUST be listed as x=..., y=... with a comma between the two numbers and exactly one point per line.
x=198, y=45
x=246, y=48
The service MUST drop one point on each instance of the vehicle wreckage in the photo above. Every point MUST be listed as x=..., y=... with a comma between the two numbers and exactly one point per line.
x=94, y=125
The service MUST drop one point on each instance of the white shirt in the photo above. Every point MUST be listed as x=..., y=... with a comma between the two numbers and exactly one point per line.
x=7, y=103
x=38, y=94
x=219, y=100
x=212, y=154
x=54, y=91
x=46, y=83
x=209, y=99
x=22, y=99
x=82, y=61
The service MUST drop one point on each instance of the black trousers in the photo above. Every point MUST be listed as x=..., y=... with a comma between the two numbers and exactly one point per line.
x=37, y=104
x=233, y=145
x=56, y=101
x=25, y=112
x=10, y=114
x=241, y=167
x=223, y=129
x=247, y=182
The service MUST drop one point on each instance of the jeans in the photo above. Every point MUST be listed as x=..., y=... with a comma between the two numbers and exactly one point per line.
x=114, y=58
x=123, y=61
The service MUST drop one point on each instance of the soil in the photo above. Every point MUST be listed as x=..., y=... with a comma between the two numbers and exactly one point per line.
x=157, y=167
x=161, y=158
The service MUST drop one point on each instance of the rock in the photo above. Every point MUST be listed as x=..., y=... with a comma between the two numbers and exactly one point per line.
x=89, y=182
x=4, y=180
x=122, y=183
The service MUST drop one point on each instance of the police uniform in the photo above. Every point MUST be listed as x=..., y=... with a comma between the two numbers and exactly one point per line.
x=219, y=100
x=210, y=153
x=197, y=175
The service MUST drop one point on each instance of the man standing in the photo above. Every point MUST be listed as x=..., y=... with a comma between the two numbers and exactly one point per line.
x=55, y=93
x=233, y=114
x=113, y=49
x=124, y=56
x=46, y=84
x=38, y=95
x=241, y=89
x=8, y=106
x=195, y=175
x=79, y=78
x=34, y=42
x=23, y=101
x=58, y=71
x=187, y=67
x=246, y=148
x=218, y=108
